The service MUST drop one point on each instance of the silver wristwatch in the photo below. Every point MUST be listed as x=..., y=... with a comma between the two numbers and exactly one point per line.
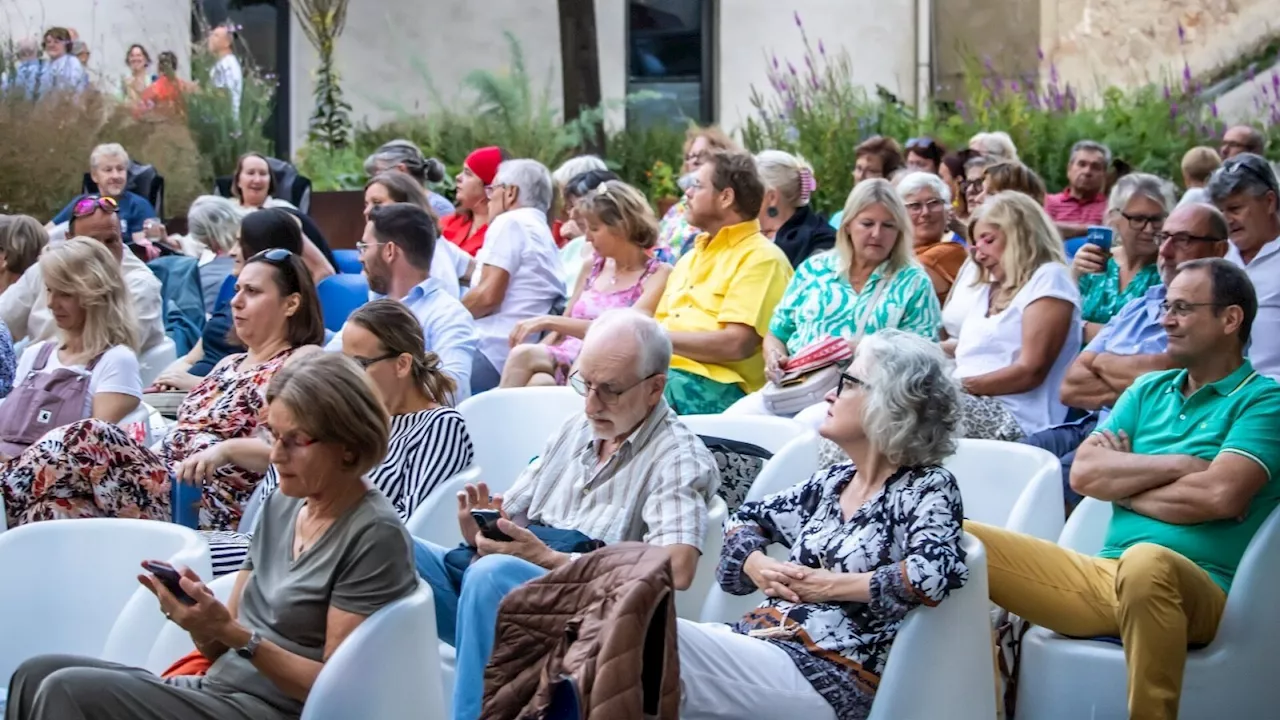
x=251, y=647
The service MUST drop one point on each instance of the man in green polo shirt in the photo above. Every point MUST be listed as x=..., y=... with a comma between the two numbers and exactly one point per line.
x=1191, y=460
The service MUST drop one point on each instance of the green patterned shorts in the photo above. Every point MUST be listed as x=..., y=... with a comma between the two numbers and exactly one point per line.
x=690, y=394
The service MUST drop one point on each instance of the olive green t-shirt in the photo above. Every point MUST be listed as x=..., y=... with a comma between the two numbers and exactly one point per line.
x=363, y=562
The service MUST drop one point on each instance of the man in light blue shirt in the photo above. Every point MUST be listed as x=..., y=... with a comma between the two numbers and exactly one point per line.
x=399, y=241
x=1133, y=343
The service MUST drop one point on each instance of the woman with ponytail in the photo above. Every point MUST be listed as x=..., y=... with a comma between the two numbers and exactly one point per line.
x=405, y=156
x=429, y=440
x=785, y=215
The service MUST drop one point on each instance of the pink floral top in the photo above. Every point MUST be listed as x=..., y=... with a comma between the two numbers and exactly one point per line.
x=590, y=305
x=675, y=234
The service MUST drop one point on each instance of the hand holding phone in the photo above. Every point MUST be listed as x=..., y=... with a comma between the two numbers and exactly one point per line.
x=487, y=520
x=168, y=577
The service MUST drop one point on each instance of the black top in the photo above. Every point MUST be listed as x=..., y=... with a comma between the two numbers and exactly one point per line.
x=804, y=234
x=216, y=343
x=313, y=233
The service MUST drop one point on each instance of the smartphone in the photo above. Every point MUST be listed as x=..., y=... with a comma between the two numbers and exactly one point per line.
x=488, y=522
x=1102, y=236
x=168, y=577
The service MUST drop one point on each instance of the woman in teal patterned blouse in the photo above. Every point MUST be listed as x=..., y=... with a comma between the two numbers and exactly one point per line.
x=869, y=282
x=1137, y=208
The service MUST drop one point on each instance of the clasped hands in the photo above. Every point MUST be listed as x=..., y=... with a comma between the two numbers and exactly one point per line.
x=791, y=582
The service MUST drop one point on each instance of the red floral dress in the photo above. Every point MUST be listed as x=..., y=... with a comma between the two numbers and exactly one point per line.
x=93, y=468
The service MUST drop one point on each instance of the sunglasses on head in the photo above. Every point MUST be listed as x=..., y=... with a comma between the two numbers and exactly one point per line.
x=920, y=142
x=279, y=258
x=89, y=204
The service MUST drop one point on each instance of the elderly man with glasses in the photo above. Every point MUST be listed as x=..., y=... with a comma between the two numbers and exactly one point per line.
x=626, y=470
x=1245, y=189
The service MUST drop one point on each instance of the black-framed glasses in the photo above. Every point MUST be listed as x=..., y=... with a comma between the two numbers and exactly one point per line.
x=282, y=260
x=1184, y=240
x=365, y=362
x=604, y=393
x=1139, y=222
x=849, y=382
x=1182, y=308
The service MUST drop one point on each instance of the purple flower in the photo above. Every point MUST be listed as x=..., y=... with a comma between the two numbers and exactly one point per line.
x=1182, y=34
x=796, y=14
x=1167, y=92
x=1213, y=109
x=1014, y=86
x=986, y=63
x=1275, y=80
x=792, y=68
x=822, y=48
x=1173, y=111
x=808, y=61
x=775, y=62
x=813, y=80
x=1053, y=73
x=1040, y=53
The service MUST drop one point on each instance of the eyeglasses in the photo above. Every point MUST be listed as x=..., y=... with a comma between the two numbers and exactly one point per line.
x=915, y=208
x=604, y=393
x=1139, y=222
x=1181, y=308
x=1184, y=240
x=365, y=362
x=972, y=187
x=362, y=245
x=281, y=259
x=698, y=157
x=290, y=441
x=491, y=190
x=90, y=204
x=849, y=382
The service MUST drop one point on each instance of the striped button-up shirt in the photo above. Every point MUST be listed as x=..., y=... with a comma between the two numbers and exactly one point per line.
x=654, y=488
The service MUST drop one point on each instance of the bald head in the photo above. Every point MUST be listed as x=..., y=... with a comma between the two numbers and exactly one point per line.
x=1242, y=139
x=630, y=335
x=1194, y=231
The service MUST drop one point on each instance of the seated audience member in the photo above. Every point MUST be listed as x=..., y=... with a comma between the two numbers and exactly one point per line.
x=275, y=312
x=24, y=305
x=868, y=284
x=469, y=223
x=785, y=216
x=675, y=230
x=1138, y=207
x=213, y=225
x=429, y=442
x=924, y=154
x=720, y=297
x=396, y=252
x=1189, y=459
x=1198, y=165
x=626, y=470
x=560, y=178
x=1240, y=139
x=1246, y=191
x=96, y=339
x=329, y=552
x=998, y=146
x=928, y=203
x=877, y=157
x=253, y=185
x=621, y=229
x=1133, y=342
x=1084, y=201
x=22, y=238
x=259, y=232
x=109, y=168
x=450, y=266
x=517, y=273
x=1010, y=175
x=952, y=172
x=1015, y=347
x=814, y=648
x=575, y=253
x=407, y=157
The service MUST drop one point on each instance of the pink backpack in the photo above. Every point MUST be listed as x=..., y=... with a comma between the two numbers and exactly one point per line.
x=42, y=401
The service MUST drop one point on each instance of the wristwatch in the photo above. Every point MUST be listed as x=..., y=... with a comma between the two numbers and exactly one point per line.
x=573, y=556
x=251, y=647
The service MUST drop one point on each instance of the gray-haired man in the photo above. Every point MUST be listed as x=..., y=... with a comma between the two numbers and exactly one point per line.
x=1084, y=202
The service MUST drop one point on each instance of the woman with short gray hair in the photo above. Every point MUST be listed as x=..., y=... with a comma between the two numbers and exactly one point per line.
x=869, y=540
x=213, y=225
x=1109, y=277
x=941, y=252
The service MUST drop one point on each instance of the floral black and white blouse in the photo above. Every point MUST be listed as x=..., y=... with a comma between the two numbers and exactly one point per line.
x=907, y=536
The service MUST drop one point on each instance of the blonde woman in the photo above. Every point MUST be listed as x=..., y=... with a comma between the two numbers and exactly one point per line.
x=785, y=216
x=620, y=273
x=1014, y=348
x=869, y=282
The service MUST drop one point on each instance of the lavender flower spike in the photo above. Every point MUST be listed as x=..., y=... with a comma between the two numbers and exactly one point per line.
x=1182, y=34
x=1213, y=108
x=796, y=14
x=822, y=50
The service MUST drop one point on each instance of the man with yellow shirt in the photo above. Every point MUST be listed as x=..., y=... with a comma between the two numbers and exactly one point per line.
x=721, y=294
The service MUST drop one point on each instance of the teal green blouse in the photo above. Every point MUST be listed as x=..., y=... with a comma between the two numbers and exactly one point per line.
x=820, y=302
x=1100, y=295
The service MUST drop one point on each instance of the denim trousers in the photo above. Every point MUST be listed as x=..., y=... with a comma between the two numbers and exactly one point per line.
x=468, y=620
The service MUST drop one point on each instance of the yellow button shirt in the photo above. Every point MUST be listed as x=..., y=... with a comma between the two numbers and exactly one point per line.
x=736, y=277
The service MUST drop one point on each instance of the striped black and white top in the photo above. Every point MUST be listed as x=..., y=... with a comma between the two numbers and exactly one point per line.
x=425, y=449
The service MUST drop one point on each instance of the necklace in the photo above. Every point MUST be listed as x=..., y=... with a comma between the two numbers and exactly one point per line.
x=301, y=542
x=618, y=270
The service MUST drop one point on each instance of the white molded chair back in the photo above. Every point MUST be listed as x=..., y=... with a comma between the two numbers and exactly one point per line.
x=796, y=462
x=1230, y=677
x=152, y=362
x=66, y=583
x=389, y=667
x=509, y=427
x=173, y=642
x=765, y=431
x=689, y=602
x=436, y=519
x=940, y=665
x=1010, y=485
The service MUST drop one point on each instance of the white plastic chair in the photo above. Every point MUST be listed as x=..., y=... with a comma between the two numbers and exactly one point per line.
x=66, y=583
x=689, y=602
x=389, y=667
x=436, y=519
x=1229, y=678
x=173, y=642
x=1009, y=485
x=794, y=447
x=509, y=427
x=795, y=462
x=940, y=664
x=152, y=362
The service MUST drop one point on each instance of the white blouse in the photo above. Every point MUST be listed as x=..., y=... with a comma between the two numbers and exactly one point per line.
x=963, y=299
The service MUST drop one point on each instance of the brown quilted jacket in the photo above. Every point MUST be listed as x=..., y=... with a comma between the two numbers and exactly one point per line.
x=606, y=622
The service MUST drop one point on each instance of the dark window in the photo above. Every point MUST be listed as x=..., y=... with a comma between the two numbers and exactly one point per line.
x=669, y=46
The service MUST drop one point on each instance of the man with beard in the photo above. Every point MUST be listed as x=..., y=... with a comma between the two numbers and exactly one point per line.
x=399, y=241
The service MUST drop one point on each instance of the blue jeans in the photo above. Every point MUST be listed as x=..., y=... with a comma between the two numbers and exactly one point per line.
x=469, y=621
x=1062, y=441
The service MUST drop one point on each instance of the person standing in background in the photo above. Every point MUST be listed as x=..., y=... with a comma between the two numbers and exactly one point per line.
x=227, y=74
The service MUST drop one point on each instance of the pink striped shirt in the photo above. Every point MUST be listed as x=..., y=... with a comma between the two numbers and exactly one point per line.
x=1067, y=209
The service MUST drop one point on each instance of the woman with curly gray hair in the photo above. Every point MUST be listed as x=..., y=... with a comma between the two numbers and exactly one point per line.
x=870, y=540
